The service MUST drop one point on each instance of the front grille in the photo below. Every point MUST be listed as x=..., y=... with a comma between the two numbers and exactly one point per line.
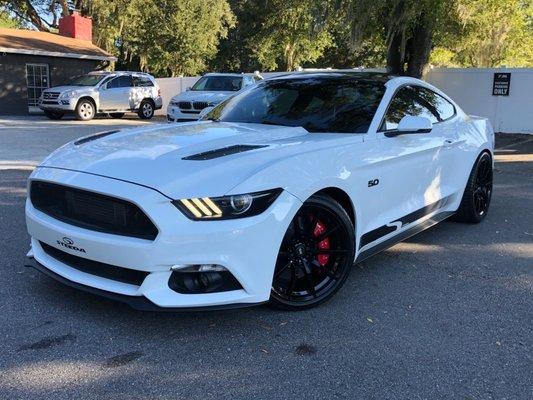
x=185, y=105
x=199, y=105
x=50, y=95
x=91, y=210
x=108, y=271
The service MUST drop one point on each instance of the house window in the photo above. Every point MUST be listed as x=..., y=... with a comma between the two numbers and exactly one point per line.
x=37, y=79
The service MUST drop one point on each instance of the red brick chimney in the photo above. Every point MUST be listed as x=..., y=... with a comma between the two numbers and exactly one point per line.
x=76, y=26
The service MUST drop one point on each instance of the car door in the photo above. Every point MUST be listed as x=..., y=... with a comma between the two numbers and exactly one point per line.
x=116, y=95
x=451, y=159
x=411, y=168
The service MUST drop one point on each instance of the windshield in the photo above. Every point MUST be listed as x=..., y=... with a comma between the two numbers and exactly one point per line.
x=341, y=105
x=86, y=80
x=218, y=83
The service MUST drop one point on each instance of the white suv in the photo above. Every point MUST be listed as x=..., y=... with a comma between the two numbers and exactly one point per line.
x=114, y=93
x=208, y=91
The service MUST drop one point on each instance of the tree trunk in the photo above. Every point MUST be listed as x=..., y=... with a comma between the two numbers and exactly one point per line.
x=420, y=48
x=34, y=17
x=395, y=53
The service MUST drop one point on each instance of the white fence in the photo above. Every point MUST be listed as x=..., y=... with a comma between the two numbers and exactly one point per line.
x=171, y=87
x=471, y=88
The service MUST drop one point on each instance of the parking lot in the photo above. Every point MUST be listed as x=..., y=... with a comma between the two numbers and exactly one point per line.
x=445, y=315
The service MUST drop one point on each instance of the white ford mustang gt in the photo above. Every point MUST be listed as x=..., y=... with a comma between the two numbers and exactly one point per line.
x=272, y=197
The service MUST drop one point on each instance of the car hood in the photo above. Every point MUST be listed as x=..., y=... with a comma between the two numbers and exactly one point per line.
x=67, y=87
x=192, y=95
x=154, y=156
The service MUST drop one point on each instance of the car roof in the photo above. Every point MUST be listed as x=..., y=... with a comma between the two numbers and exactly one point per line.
x=380, y=77
x=224, y=74
x=118, y=73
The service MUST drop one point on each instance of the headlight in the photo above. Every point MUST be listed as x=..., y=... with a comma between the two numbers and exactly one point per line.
x=227, y=207
x=173, y=103
x=68, y=95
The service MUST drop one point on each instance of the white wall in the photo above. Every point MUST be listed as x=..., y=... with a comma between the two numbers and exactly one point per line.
x=171, y=87
x=471, y=88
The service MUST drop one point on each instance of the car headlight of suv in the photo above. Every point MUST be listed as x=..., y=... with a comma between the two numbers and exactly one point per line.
x=68, y=95
x=227, y=207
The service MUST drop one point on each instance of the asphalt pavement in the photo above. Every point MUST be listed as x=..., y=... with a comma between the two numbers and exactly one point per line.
x=444, y=315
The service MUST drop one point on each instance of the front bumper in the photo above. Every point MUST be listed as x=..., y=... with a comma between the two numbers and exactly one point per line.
x=137, y=302
x=175, y=114
x=247, y=247
x=62, y=105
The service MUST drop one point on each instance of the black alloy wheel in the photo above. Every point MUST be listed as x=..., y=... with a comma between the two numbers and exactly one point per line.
x=478, y=192
x=315, y=257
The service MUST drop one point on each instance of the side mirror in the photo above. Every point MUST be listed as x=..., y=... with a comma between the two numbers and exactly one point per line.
x=187, y=88
x=411, y=125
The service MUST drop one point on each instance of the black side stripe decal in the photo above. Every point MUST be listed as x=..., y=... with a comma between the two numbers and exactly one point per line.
x=369, y=237
x=383, y=230
x=416, y=215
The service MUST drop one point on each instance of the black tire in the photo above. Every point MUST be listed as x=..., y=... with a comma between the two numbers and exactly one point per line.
x=478, y=192
x=116, y=115
x=53, y=114
x=146, y=110
x=315, y=257
x=85, y=110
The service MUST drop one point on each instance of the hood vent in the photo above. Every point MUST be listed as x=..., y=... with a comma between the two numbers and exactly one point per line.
x=94, y=137
x=225, y=151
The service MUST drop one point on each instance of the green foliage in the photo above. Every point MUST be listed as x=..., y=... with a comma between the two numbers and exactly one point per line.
x=7, y=21
x=293, y=32
x=173, y=37
x=167, y=38
x=492, y=33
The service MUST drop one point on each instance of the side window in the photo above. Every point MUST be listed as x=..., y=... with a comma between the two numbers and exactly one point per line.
x=125, y=81
x=120, y=82
x=442, y=107
x=142, y=81
x=407, y=102
x=113, y=83
x=105, y=80
x=248, y=81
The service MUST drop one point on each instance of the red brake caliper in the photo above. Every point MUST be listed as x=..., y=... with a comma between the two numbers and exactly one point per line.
x=320, y=228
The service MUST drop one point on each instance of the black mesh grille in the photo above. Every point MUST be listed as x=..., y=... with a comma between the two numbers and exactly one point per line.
x=185, y=105
x=91, y=210
x=199, y=105
x=125, y=275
